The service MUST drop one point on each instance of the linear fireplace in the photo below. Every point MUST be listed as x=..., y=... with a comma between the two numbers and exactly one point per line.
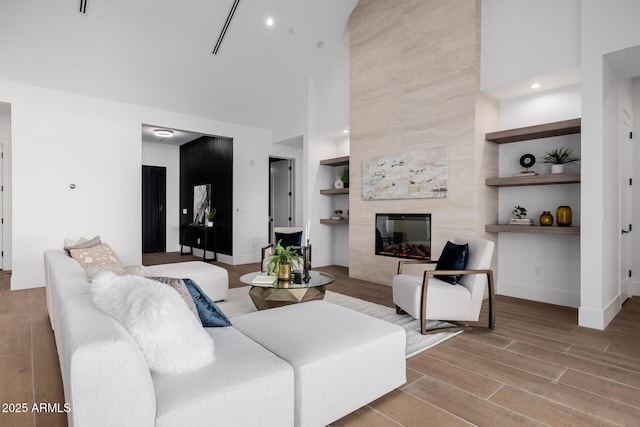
x=403, y=235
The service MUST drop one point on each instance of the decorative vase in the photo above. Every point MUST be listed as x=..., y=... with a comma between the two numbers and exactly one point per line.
x=209, y=223
x=338, y=184
x=546, y=218
x=563, y=216
x=284, y=273
x=557, y=168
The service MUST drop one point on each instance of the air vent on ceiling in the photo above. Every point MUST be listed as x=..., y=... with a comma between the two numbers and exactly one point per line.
x=225, y=26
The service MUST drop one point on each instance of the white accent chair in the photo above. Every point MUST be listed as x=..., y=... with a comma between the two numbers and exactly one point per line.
x=269, y=250
x=427, y=297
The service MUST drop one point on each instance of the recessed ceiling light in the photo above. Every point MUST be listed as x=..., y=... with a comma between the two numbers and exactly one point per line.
x=270, y=22
x=163, y=133
x=535, y=85
x=346, y=131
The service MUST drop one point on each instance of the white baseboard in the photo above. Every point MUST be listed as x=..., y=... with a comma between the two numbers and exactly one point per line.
x=599, y=318
x=540, y=294
x=635, y=289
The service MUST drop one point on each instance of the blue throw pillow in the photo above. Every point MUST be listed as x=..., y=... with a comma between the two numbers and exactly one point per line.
x=210, y=314
x=454, y=257
x=290, y=239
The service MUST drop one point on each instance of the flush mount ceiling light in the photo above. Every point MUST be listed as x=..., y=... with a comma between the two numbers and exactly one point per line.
x=163, y=133
x=535, y=85
x=269, y=22
x=346, y=131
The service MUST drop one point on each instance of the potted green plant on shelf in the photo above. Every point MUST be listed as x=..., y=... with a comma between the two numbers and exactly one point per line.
x=343, y=175
x=282, y=261
x=211, y=213
x=520, y=216
x=559, y=157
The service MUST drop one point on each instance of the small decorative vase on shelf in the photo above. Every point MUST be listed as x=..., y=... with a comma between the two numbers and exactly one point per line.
x=557, y=168
x=563, y=216
x=339, y=184
x=546, y=218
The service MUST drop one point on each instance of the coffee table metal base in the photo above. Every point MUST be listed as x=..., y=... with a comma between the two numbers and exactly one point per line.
x=265, y=298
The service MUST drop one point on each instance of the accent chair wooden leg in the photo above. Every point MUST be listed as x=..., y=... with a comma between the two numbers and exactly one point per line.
x=423, y=326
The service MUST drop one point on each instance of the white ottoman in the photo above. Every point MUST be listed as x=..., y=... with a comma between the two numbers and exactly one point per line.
x=342, y=359
x=213, y=280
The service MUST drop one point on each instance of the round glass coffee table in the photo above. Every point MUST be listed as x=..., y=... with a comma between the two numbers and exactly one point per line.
x=279, y=293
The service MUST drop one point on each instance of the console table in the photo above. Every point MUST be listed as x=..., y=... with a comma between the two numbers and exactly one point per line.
x=203, y=231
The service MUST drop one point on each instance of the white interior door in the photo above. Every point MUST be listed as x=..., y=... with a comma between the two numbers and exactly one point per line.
x=626, y=199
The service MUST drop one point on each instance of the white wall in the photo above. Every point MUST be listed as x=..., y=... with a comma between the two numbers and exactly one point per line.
x=61, y=138
x=635, y=249
x=528, y=39
x=606, y=27
x=542, y=268
x=167, y=156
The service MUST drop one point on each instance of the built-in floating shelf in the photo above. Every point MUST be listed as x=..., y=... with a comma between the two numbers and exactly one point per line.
x=565, y=127
x=515, y=181
x=338, y=161
x=332, y=191
x=532, y=229
x=330, y=221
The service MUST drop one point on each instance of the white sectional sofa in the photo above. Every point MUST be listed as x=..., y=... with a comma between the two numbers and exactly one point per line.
x=281, y=367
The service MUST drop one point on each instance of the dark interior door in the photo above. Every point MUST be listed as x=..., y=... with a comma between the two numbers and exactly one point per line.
x=154, y=217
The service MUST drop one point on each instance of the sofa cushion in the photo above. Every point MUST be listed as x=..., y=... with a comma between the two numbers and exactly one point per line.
x=97, y=255
x=119, y=269
x=158, y=319
x=246, y=386
x=207, y=311
x=213, y=280
x=342, y=359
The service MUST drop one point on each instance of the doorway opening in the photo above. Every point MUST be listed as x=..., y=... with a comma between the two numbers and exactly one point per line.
x=154, y=213
x=281, y=193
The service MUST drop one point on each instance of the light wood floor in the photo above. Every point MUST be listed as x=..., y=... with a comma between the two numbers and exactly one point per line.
x=536, y=368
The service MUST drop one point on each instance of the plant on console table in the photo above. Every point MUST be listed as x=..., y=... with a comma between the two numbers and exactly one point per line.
x=211, y=213
x=520, y=216
x=281, y=263
x=559, y=157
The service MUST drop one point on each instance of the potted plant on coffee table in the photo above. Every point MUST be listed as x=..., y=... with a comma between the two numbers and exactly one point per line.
x=559, y=157
x=283, y=260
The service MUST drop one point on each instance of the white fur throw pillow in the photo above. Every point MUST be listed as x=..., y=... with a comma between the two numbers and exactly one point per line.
x=158, y=319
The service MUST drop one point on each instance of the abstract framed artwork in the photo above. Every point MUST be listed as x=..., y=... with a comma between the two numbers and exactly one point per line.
x=201, y=202
x=413, y=175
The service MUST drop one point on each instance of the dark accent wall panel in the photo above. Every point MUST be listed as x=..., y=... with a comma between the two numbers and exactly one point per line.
x=208, y=160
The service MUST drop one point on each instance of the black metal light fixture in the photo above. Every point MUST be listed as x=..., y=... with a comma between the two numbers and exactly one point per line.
x=225, y=26
x=83, y=6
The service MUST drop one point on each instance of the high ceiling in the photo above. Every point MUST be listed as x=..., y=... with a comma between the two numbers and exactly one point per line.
x=159, y=52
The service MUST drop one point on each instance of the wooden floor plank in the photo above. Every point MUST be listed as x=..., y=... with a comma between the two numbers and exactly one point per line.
x=365, y=417
x=16, y=377
x=522, y=362
x=621, y=375
x=467, y=406
x=408, y=410
x=537, y=310
x=544, y=410
x=533, y=339
x=602, y=387
x=470, y=382
x=626, y=362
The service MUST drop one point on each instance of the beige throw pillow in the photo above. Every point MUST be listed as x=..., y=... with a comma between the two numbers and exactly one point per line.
x=81, y=243
x=98, y=255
